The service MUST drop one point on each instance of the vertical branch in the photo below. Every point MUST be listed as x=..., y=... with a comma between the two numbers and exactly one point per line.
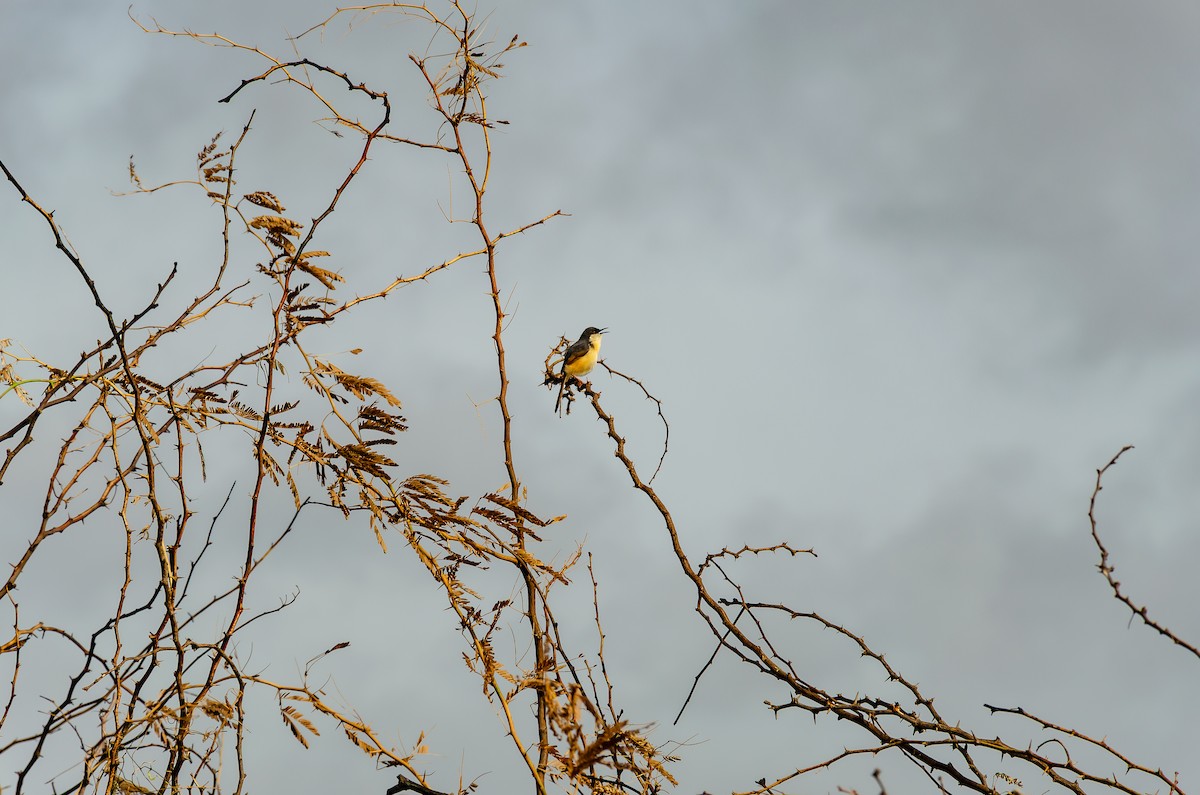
x=468, y=87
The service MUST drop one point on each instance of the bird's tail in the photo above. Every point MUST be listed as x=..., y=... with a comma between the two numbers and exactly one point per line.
x=562, y=385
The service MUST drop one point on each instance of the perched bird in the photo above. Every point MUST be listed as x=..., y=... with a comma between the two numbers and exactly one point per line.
x=579, y=358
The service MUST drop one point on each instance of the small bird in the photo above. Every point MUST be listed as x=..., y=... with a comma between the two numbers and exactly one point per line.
x=579, y=358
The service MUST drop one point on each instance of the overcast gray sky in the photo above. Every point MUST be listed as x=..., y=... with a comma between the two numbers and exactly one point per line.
x=903, y=274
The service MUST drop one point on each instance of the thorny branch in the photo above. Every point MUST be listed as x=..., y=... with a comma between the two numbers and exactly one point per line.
x=1108, y=571
x=940, y=747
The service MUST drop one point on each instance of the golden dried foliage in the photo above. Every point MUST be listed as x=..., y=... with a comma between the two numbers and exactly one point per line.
x=264, y=198
x=295, y=721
